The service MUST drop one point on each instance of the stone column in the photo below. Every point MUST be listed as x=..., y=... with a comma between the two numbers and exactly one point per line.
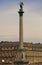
x=21, y=27
x=20, y=56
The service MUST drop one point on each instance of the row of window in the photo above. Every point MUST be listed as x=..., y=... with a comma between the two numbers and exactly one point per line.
x=16, y=47
x=9, y=48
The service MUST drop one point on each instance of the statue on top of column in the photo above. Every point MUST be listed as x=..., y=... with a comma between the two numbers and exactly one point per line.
x=21, y=5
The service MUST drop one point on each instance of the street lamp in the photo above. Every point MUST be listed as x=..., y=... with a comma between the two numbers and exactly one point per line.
x=3, y=60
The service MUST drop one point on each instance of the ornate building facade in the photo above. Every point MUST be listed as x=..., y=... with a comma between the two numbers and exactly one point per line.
x=33, y=52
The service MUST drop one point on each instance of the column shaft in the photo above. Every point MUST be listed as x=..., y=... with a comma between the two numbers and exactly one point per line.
x=21, y=31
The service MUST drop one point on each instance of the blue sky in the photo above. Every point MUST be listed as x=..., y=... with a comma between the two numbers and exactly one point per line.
x=9, y=20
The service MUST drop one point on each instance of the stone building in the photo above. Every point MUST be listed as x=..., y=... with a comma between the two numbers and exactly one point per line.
x=33, y=52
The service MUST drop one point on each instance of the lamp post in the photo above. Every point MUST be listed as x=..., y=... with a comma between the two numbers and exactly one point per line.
x=3, y=61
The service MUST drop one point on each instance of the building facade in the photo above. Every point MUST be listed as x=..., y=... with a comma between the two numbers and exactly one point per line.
x=33, y=52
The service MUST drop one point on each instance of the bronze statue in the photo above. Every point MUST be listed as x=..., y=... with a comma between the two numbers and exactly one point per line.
x=21, y=5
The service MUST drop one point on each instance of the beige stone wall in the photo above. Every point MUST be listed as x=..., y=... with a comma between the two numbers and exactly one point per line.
x=34, y=56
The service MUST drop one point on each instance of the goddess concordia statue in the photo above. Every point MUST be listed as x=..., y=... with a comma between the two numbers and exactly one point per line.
x=21, y=5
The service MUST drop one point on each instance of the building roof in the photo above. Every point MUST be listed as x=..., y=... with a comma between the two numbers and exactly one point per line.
x=26, y=44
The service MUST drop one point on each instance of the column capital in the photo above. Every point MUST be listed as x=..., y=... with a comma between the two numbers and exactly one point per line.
x=20, y=12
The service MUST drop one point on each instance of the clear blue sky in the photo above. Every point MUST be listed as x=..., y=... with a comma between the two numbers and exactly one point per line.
x=9, y=20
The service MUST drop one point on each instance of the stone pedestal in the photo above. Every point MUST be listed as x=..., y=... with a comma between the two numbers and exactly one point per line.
x=20, y=58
